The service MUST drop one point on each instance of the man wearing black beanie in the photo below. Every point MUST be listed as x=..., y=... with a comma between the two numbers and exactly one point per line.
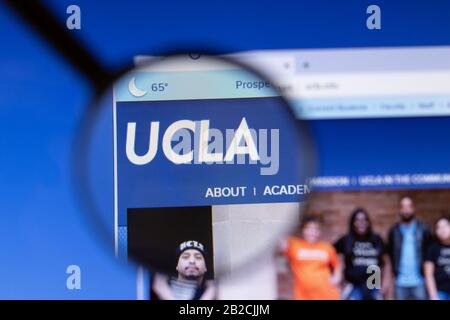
x=190, y=283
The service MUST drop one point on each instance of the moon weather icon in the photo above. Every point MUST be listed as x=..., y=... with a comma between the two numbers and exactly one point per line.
x=134, y=90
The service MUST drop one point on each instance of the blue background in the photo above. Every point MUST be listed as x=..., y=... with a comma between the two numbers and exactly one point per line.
x=42, y=99
x=382, y=146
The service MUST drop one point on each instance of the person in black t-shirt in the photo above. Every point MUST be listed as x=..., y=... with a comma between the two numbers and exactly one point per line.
x=190, y=283
x=437, y=262
x=362, y=252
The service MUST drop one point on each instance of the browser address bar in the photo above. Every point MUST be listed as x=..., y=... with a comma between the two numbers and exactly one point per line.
x=326, y=85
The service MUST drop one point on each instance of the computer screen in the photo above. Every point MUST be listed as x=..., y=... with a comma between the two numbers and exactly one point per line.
x=378, y=118
x=371, y=82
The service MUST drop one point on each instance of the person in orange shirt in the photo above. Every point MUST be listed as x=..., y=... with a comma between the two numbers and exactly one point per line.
x=314, y=263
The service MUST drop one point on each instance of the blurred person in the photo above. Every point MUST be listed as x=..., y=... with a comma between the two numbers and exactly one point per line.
x=437, y=262
x=407, y=245
x=314, y=263
x=190, y=283
x=361, y=248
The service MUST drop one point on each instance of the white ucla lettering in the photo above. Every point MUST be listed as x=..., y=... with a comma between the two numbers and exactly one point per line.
x=152, y=148
x=167, y=142
x=242, y=143
x=242, y=132
x=204, y=155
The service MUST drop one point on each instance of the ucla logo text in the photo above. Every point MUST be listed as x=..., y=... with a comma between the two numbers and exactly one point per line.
x=194, y=142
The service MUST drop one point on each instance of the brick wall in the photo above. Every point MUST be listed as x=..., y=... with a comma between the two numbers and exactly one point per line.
x=335, y=208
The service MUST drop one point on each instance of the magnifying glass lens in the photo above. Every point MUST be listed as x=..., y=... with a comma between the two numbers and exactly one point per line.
x=193, y=167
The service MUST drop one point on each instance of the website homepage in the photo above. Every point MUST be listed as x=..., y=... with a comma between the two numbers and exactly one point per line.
x=378, y=118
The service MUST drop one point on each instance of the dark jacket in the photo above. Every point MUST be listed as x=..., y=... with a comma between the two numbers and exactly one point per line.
x=395, y=240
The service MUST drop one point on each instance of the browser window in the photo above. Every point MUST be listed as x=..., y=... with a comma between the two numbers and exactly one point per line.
x=379, y=118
